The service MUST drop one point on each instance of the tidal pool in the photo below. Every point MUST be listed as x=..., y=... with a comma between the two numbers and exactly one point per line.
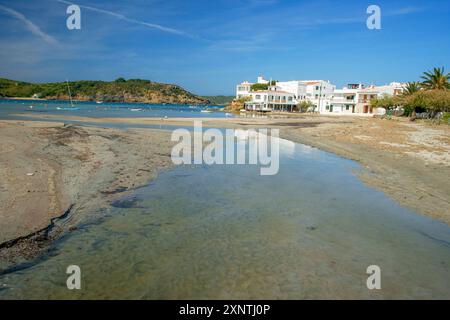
x=225, y=232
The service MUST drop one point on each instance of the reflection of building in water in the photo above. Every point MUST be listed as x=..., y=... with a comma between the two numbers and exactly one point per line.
x=286, y=146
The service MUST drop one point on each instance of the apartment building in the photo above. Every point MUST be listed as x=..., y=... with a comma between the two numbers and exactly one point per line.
x=325, y=98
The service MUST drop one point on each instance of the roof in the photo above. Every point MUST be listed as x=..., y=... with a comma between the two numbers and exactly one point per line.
x=272, y=91
x=311, y=82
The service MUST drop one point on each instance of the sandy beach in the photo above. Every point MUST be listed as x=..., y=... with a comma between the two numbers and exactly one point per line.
x=51, y=168
x=409, y=161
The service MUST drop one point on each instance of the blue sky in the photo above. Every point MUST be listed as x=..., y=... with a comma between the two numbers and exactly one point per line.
x=209, y=46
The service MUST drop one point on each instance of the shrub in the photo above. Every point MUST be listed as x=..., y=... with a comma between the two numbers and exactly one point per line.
x=259, y=86
x=446, y=117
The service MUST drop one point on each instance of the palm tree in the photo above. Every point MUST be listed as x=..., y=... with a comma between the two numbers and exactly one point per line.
x=436, y=79
x=411, y=88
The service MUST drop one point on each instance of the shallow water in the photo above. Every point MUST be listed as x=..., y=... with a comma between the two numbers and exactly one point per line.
x=222, y=232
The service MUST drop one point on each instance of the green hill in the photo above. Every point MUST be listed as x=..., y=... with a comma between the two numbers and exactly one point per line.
x=219, y=100
x=120, y=90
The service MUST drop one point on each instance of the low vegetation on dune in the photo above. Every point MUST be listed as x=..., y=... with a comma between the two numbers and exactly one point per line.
x=120, y=90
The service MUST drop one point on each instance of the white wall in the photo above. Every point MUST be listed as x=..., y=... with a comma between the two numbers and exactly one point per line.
x=243, y=89
x=295, y=87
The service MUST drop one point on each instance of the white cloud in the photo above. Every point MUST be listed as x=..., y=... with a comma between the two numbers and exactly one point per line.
x=29, y=25
x=124, y=18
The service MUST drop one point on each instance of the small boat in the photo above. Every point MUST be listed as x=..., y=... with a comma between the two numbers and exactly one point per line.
x=67, y=108
x=206, y=111
x=99, y=102
x=135, y=109
x=71, y=108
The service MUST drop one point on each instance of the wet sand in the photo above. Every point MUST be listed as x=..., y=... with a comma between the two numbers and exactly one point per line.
x=48, y=168
x=409, y=161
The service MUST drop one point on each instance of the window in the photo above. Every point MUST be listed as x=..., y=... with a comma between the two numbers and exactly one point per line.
x=317, y=87
x=290, y=99
x=257, y=97
x=328, y=107
x=347, y=107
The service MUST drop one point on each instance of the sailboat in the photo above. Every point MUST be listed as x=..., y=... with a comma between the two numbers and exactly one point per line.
x=71, y=108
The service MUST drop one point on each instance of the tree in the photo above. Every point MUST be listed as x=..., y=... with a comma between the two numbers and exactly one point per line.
x=433, y=101
x=436, y=79
x=259, y=86
x=304, y=105
x=386, y=102
x=410, y=89
x=436, y=100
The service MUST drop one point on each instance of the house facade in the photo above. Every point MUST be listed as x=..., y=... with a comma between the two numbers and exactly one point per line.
x=354, y=99
x=273, y=99
x=326, y=99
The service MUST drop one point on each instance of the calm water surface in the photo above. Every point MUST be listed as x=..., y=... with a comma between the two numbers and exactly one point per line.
x=8, y=109
x=221, y=232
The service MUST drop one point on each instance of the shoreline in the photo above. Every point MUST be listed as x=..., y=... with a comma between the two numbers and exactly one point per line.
x=52, y=169
x=86, y=168
x=102, y=102
x=407, y=161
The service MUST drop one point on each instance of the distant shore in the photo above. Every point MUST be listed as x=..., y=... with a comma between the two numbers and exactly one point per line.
x=22, y=98
x=75, y=100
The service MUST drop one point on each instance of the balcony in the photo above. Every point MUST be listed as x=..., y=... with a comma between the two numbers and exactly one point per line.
x=342, y=101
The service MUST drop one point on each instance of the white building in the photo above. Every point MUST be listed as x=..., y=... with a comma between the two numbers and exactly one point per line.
x=319, y=92
x=243, y=89
x=392, y=89
x=354, y=99
x=297, y=88
x=285, y=95
x=261, y=80
x=270, y=100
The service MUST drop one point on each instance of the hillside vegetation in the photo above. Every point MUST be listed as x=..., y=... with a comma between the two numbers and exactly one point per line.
x=219, y=100
x=120, y=90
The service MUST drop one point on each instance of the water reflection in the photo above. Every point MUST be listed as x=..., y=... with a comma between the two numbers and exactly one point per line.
x=222, y=232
